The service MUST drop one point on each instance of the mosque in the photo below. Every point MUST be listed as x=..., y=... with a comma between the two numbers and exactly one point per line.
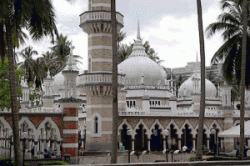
x=74, y=105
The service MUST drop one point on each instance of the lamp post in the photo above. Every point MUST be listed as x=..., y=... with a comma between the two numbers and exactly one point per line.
x=213, y=132
x=129, y=132
x=166, y=133
x=24, y=140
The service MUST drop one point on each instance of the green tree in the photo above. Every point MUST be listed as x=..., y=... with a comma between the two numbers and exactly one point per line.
x=5, y=83
x=38, y=18
x=151, y=53
x=230, y=23
x=202, y=99
x=28, y=64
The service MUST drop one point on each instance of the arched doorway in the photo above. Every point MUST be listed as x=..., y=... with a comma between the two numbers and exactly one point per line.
x=156, y=142
x=125, y=138
x=141, y=139
x=172, y=139
x=186, y=137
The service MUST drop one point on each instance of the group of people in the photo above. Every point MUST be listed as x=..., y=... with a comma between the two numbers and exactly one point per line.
x=238, y=148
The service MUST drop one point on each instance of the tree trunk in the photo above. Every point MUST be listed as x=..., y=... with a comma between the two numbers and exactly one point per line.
x=114, y=84
x=243, y=77
x=202, y=99
x=13, y=95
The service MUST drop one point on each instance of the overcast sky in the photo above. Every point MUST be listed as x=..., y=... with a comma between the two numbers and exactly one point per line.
x=170, y=26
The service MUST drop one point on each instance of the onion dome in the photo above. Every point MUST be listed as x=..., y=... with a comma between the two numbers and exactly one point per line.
x=192, y=85
x=140, y=69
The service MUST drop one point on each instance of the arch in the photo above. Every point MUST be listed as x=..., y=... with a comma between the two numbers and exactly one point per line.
x=204, y=127
x=30, y=125
x=212, y=124
x=172, y=122
x=189, y=124
x=236, y=123
x=53, y=125
x=125, y=122
x=153, y=126
x=144, y=125
x=5, y=123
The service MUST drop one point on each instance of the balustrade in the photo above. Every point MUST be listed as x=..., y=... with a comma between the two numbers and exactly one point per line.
x=99, y=15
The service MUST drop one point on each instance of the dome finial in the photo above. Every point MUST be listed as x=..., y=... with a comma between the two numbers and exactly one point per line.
x=48, y=74
x=138, y=32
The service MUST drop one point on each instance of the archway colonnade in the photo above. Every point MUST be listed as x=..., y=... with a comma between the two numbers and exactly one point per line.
x=45, y=137
x=152, y=138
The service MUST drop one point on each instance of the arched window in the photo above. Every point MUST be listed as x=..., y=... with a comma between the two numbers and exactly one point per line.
x=96, y=125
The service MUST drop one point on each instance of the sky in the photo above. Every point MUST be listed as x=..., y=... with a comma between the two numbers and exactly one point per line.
x=170, y=26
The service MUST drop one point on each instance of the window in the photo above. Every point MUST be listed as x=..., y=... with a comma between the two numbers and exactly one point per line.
x=154, y=103
x=96, y=125
x=131, y=103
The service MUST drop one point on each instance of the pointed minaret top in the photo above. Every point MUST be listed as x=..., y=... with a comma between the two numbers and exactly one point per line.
x=48, y=74
x=138, y=32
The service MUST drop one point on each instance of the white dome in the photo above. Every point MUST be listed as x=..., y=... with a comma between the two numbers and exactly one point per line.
x=136, y=67
x=58, y=83
x=187, y=88
x=140, y=69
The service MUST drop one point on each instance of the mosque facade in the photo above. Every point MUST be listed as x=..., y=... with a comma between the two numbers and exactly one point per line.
x=74, y=105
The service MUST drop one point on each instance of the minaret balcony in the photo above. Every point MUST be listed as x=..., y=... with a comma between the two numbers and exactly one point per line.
x=96, y=16
x=100, y=78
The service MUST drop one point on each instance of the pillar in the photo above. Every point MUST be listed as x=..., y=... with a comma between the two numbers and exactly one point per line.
x=70, y=130
x=58, y=150
x=194, y=148
x=164, y=143
x=35, y=148
x=208, y=145
x=179, y=143
x=133, y=145
x=149, y=148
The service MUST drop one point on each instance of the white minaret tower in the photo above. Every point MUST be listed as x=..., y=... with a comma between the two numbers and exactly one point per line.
x=70, y=73
x=48, y=98
x=97, y=82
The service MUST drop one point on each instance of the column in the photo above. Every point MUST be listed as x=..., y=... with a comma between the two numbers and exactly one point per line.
x=12, y=150
x=179, y=143
x=208, y=141
x=194, y=148
x=58, y=151
x=133, y=145
x=149, y=149
x=164, y=143
x=70, y=130
x=35, y=148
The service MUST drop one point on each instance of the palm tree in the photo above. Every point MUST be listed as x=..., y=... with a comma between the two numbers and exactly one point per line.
x=38, y=18
x=28, y=64
x=243, y=75
x=231, y=24
x=114, y=139
x=124, y=52
x=151, y=52
x=61, y=50
x=202, y=100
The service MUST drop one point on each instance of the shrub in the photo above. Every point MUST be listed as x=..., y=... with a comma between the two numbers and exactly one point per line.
x=192, y=158
x=222, y=158
x=53, y=163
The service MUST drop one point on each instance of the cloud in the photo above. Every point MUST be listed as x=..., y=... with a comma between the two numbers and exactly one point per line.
x=176, y=39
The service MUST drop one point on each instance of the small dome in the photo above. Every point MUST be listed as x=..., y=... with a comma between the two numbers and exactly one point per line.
x=187, y=88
